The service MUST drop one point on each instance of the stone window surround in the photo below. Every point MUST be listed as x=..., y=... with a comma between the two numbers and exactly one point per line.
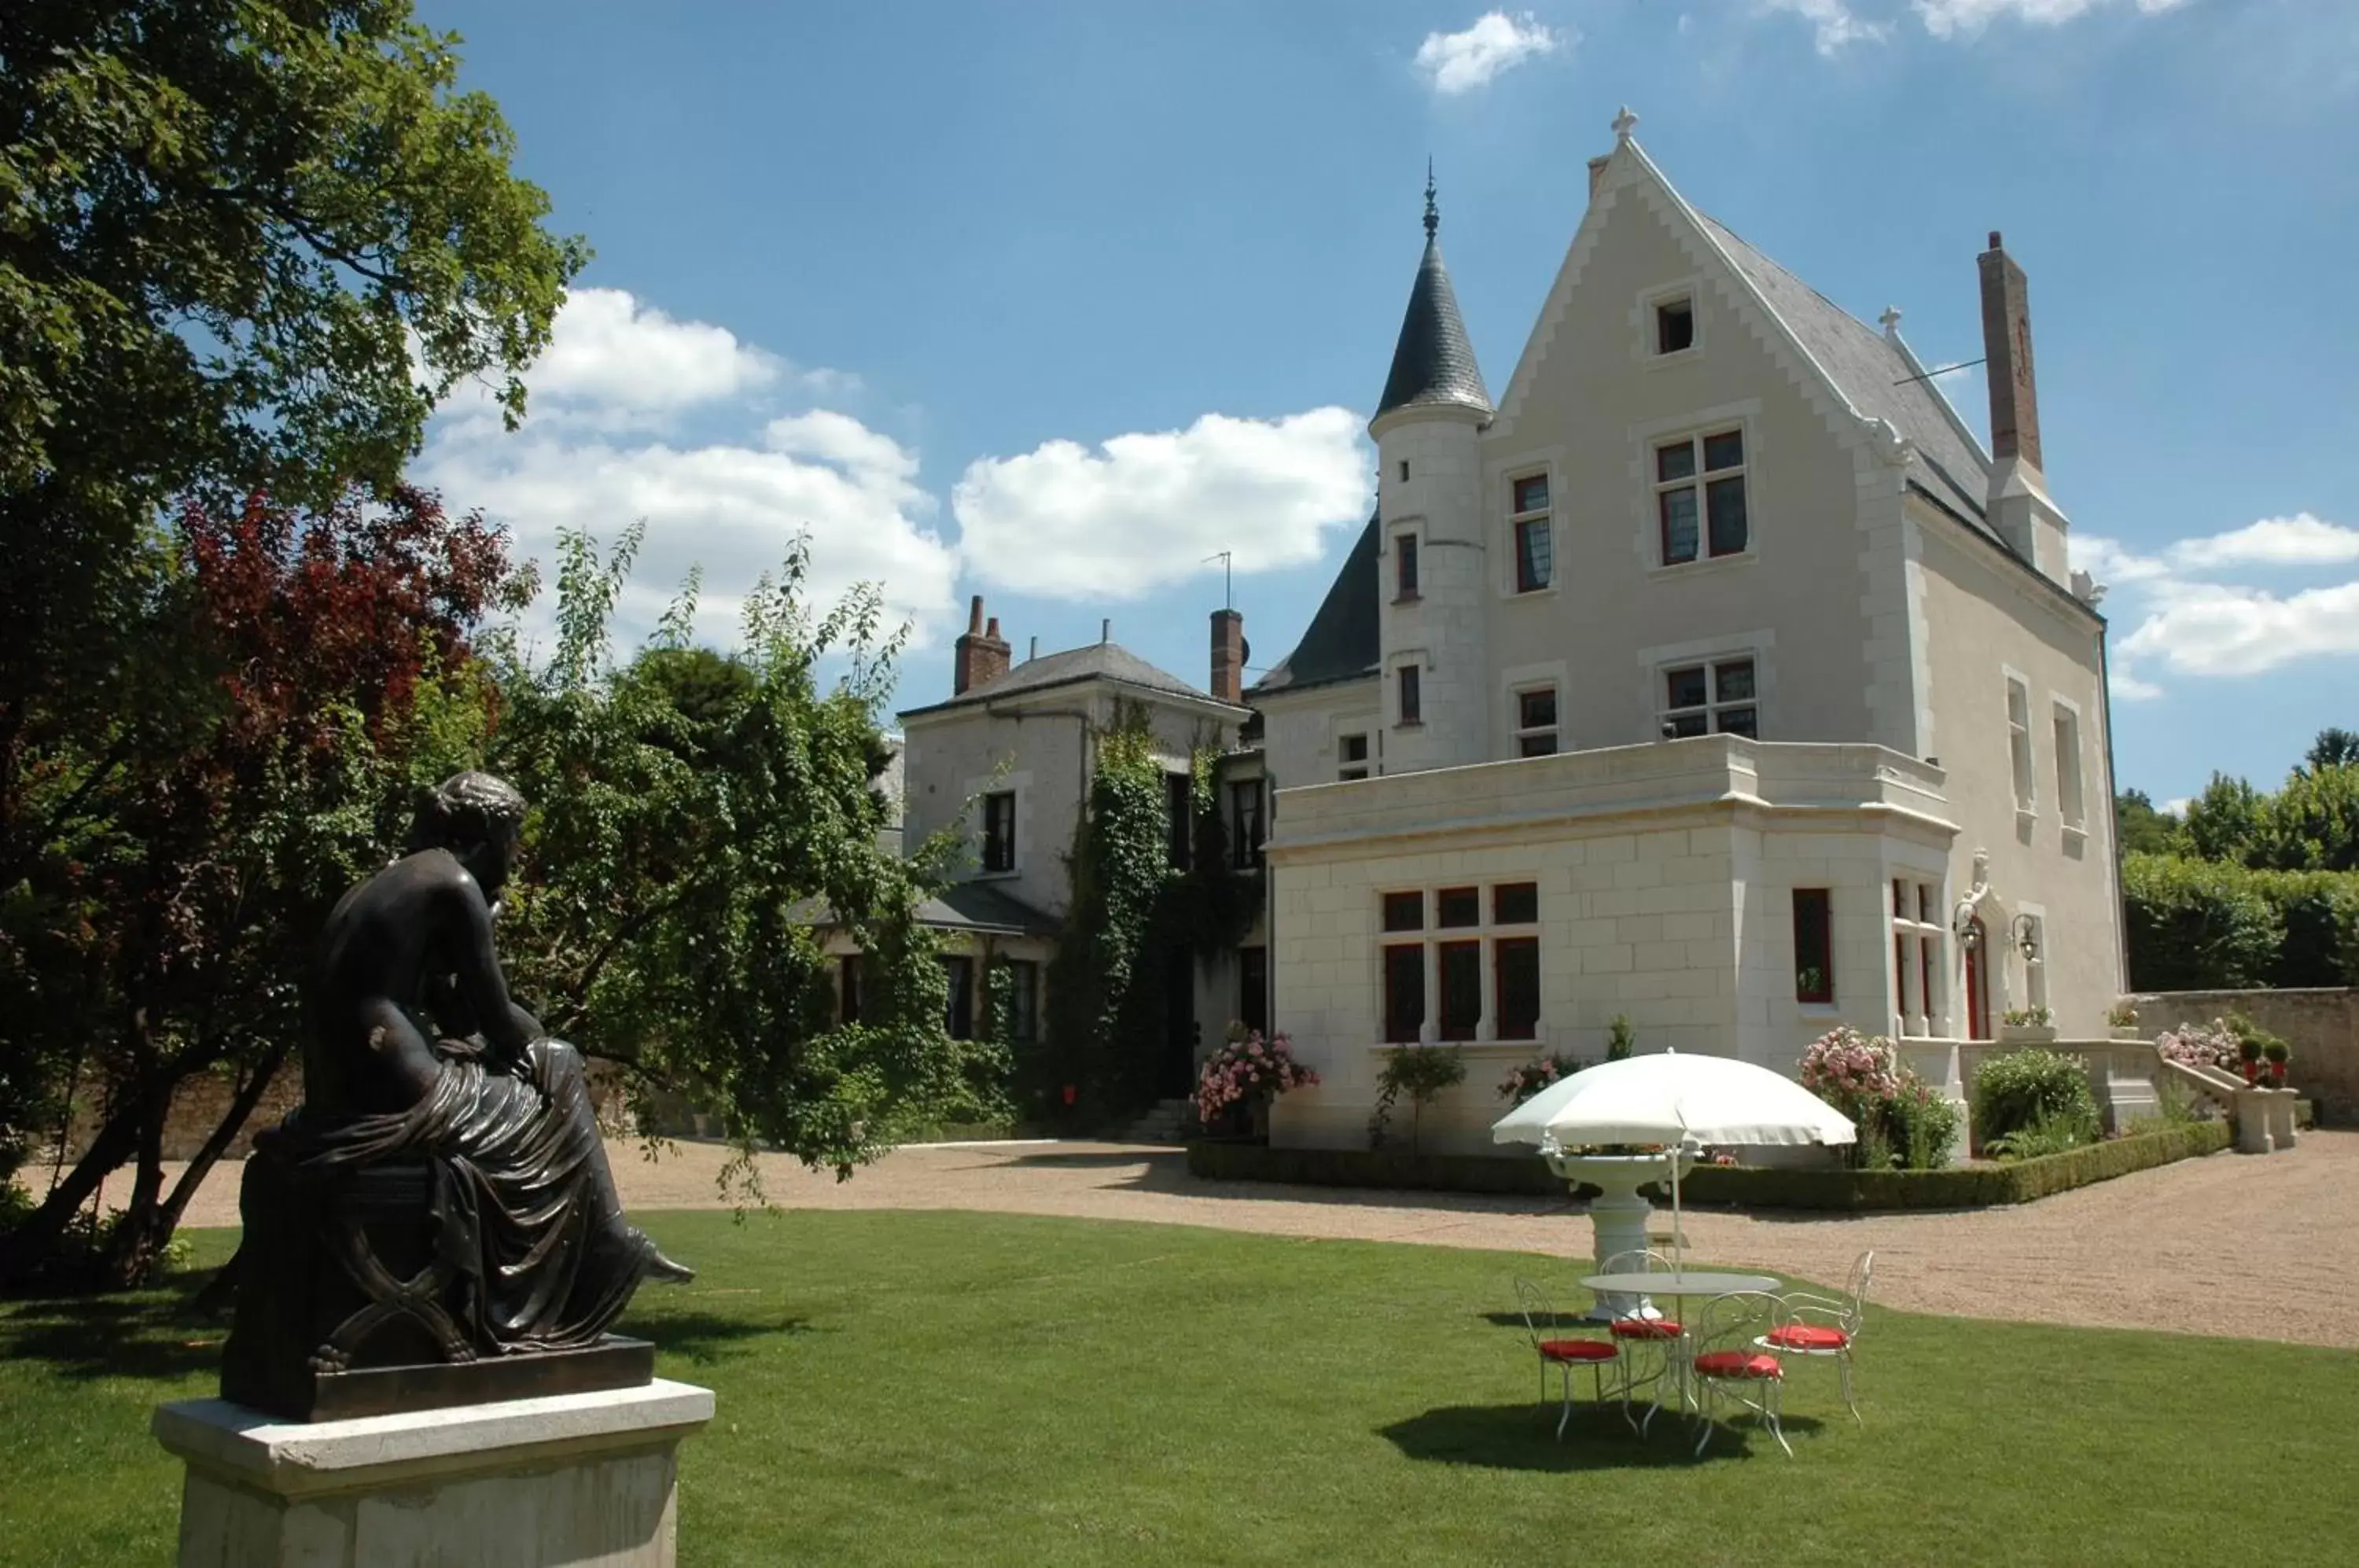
x=1018, y=784
x=1644, y=343
x=2035, y=966
x=2023, y=770
x=1512, y=555
x=1419, y=659
x=1519, y=679
x=2073, y=787
x=1646, y=537
x=1487, y=931
x=1922, y=937
x=1368, y=724
x=1655, y=663
x=1825, y=1003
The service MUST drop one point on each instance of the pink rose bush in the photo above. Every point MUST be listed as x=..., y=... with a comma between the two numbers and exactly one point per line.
x=1522, y=1083
x=1850, y=1071
x=2200, y=1045
x=1248, y=1068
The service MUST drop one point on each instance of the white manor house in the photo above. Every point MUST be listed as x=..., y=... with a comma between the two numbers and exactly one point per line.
x=1714, y=676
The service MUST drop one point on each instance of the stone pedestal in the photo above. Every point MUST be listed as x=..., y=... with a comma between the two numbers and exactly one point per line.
x=573, y=1480
x=2280, y=1114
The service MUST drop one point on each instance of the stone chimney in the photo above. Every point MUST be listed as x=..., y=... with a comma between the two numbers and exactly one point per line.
x=980, y=654
x=2019, y=506
x=1229, y=657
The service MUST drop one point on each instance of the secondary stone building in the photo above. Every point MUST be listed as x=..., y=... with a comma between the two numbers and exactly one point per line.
x=1715, y=676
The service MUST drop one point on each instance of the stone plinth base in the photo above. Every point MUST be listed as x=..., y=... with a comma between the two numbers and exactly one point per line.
x=573, y=1480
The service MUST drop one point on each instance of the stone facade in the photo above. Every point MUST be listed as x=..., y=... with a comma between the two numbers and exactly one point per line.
x=1894, y=619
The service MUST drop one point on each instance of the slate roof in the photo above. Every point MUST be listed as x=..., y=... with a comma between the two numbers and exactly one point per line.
x=1342, y=641
x=978, y=907
x=1433, y=363
x=1098, y=662
x=1871, y=371
x=981, y=907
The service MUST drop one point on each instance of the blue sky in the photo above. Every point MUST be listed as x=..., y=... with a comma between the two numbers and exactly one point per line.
x=1049, y=300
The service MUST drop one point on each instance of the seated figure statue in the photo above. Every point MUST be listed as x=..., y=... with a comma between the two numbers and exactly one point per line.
x=416, y=1057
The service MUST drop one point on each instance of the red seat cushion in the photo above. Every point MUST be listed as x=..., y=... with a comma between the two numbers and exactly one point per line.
x=1577, y=1350
x=1807, y=1337
x=1736, y=1364
x=1646, y=1328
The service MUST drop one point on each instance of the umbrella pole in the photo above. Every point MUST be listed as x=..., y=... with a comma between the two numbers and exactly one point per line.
x=1679, y=1234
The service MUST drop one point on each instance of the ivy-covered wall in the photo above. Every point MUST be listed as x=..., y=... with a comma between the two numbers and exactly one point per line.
x=1132, y=915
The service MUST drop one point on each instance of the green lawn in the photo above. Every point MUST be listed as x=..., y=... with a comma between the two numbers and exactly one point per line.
x=903, y=1389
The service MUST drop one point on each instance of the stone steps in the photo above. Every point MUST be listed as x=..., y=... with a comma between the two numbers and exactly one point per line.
x=1168, y=1122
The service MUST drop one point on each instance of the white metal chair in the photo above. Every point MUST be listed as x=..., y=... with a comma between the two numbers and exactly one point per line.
x=1823, y=1328
x=1728, y=1362
x=1560, y=1352
x=1635, y=1336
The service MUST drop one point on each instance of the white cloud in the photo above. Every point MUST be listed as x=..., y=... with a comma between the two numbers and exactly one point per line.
x=2196, y=626
x=586, y=458
x=1460, y=62
x=1966, y=18
x=2175, y=806
x=2298, y=540
x=610, y=349
x=1834, y=23
x=2127, y=687
x=1145, y=509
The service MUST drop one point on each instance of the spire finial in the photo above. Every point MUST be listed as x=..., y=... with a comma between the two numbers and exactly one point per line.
x=1624, y=124
x=1433, y=213
x=1890, y=321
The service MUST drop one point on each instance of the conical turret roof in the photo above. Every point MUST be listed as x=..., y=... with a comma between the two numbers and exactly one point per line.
x=1433, y=363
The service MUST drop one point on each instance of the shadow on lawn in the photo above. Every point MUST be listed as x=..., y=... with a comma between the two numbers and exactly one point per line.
x=1521, y=1436
x=159, y=1334
x=705, y=1336
x=1152, y=1168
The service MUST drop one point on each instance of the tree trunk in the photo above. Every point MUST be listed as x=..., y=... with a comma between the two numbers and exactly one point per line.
x=32, y=1244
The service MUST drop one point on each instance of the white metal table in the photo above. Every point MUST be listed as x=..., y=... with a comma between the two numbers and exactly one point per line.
x=1681, y=1285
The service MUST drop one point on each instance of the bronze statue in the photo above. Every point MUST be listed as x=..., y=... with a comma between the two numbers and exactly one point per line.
x=443, y=1191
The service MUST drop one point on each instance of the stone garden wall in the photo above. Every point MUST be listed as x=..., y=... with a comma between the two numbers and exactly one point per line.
x=2322, y=1025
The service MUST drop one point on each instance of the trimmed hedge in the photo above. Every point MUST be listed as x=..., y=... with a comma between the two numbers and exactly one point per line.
x=1739, y=1186
x=2206, y=925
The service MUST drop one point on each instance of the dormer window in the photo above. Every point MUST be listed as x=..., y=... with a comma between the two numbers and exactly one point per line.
x=1674, y=325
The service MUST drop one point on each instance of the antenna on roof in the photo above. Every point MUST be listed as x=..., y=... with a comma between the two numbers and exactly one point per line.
x=1962, y=364
x=1228, y=595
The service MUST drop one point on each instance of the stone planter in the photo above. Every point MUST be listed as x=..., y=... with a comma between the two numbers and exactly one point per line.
x=2129, y=1031
x=2026, y=1034
x=1618, y=1214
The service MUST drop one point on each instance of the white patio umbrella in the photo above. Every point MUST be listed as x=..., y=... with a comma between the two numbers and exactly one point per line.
x=1676, y=1100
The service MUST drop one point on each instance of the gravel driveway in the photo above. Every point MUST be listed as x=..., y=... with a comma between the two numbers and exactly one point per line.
x=2263, y=1247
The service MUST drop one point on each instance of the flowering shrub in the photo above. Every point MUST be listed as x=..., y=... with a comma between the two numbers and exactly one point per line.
x=2200, y=1045
x=2121, y=1014
x=1850, y=1071
x=1901, y=1118
x=1522, y=1083
x=1246, y=1068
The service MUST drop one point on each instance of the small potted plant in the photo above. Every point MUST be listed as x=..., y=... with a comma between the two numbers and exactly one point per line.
x=1619, y=1037
x=2123, y=1019
x=2027, y=1026
x=2248, y=1050
x=2277, y=1052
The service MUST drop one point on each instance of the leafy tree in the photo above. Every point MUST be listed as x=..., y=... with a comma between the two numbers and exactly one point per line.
x=310, y=668
x=2224, y=823
x=2144, y=830
x=2311, y=825
x=696, y=818
x=244, y=246
x=2333, y=748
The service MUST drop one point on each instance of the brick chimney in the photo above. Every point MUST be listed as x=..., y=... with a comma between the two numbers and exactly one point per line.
x=2019, y=506
x=2006, y=348
x=1229, y=657
x=980, y=654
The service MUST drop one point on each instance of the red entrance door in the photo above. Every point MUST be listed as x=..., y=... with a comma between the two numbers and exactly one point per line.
x=1977, y=982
